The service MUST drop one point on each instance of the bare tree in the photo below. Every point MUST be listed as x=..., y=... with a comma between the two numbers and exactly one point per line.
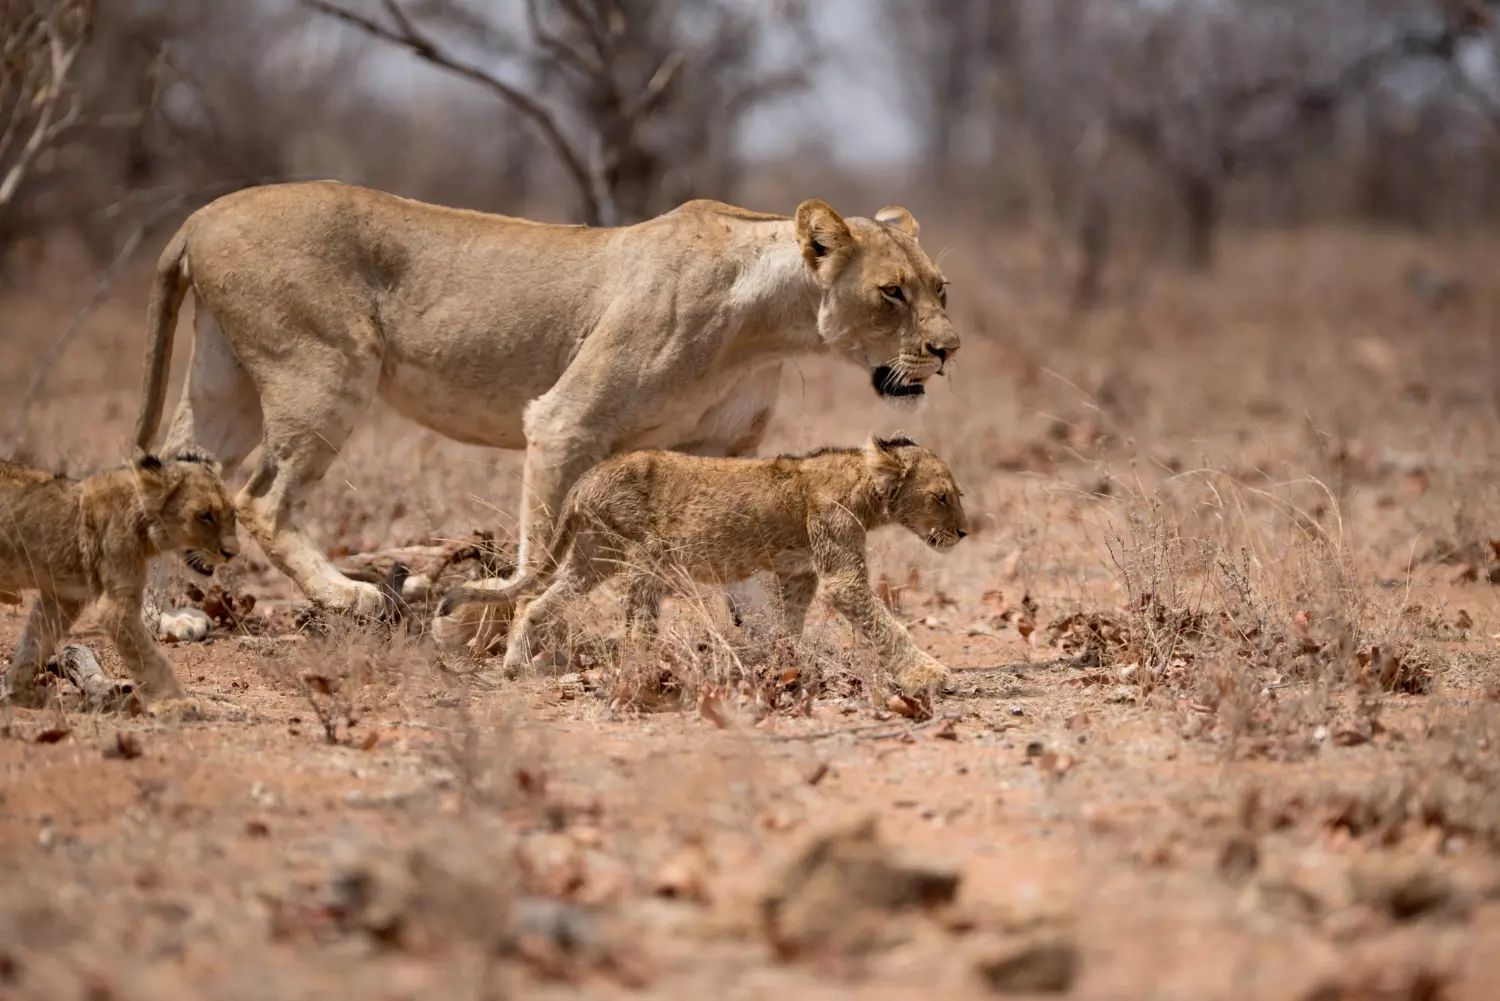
x=624, y=93
x=39, y=102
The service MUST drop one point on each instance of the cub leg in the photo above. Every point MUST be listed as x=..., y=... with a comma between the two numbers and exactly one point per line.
x=50, y=619
x=120, y=615
x=839, y=549
x=797, y=593
x=536, y=627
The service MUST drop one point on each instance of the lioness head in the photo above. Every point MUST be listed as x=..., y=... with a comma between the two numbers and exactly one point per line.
x=920, y=490
x=885, y=304
x=188, y=508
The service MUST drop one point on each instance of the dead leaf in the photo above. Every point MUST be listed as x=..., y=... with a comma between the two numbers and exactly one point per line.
x=1010, y=567
x=711, y=708
x=818, y=774
x=1301, y=623
x=125, y=746
x=901, y=706
x=371, y=739
x=1082, y=721
x=684, y=877
x=948, y=731
x=9, y=598
x=53, y=734
x=1055, y=764
x=321, y=684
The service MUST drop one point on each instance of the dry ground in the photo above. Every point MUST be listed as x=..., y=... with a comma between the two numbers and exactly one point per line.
x=1224, y=723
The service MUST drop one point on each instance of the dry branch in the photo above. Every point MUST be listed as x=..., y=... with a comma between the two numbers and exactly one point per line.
x=407, y=35
x=101, y=692
x=36, y=66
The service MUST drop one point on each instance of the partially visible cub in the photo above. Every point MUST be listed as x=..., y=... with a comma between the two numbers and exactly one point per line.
x=649, y=514
x=83, y=541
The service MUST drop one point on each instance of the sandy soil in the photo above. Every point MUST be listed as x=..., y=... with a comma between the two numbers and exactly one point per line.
x=1223, y=722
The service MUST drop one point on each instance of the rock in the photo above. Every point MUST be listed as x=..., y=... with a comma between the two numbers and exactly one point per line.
x=1045, y=964
x=185, y=625
x=1407, y=888
x=838, y=892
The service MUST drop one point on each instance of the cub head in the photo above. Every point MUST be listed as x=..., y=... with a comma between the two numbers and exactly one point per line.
x=920, y=490
x=884, y=303
x=187, y=507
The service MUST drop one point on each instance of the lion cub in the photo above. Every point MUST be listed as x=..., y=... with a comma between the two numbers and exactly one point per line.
x=91, y=540
x=646, y=514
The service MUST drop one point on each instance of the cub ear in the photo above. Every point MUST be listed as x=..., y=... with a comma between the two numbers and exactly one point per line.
x=881, y=457
x=824, y=238
x=192, y=453
x=150, y=479
x=898, y=218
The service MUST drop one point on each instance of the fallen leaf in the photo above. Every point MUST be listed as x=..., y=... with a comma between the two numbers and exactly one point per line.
x=818, y=774
x=126, y=746
x=711, y=709
x=1301, y=623
x=371, y=739
x=1010, y=567
x=257, y=829
x=1081, y=721
x=948, y=731
x=901, y=706
x=321, y=684
x=1056, y=764
x=683, y=877
x=53, y=734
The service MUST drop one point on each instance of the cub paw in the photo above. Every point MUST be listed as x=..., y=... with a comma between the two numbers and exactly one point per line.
x=923, y=677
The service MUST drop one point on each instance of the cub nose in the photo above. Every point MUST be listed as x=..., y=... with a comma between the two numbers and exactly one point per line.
x=962, y=533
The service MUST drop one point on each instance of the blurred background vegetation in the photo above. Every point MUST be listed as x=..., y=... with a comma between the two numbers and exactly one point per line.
x=1103, y=128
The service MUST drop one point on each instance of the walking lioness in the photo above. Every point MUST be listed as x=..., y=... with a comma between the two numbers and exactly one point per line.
x=653, y=515
x=573, y=342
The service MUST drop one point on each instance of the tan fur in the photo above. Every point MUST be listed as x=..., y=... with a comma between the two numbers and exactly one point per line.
x=654, y=515
x=90, y=541
x=573, y=343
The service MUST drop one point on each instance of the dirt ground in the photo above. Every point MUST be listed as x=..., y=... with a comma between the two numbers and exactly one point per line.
x=1223, y=723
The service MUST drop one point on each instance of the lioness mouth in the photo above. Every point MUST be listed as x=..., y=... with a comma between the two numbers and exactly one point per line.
x=886, y=384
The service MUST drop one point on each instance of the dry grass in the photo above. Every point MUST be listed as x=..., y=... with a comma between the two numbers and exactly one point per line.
x=1233, y=545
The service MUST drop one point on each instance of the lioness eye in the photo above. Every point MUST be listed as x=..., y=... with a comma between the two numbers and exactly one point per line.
x=893, y=292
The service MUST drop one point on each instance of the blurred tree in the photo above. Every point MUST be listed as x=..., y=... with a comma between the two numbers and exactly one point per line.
x=639, y=100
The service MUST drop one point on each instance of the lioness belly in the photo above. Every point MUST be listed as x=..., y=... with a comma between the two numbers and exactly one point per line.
x=473, y=414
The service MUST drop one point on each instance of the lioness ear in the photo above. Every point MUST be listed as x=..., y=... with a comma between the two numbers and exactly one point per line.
x=898, y=218
x=824, y=238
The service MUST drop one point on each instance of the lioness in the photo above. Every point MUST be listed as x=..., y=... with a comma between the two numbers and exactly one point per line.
x=651, y=514
x=82, y=541
x=572, y=342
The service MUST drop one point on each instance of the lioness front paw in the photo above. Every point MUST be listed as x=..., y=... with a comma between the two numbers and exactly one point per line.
x=923, y=677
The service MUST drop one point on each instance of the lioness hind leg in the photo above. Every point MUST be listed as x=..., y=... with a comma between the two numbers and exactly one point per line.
x=305, y=427
x=50, y=619
x=220, y=409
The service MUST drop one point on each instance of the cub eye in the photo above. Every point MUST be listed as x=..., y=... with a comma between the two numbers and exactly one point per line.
x=207, y=517
x=893, y=292
x=943, y=295
x=942, y=499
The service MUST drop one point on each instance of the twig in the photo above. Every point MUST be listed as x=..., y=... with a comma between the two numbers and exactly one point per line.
x=1022, y=665
x=863, y=728
x=422, y=46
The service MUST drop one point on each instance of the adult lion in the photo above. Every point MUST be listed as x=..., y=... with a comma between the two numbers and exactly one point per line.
x=572, y=342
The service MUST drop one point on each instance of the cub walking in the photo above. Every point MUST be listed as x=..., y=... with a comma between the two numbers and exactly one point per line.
x=82, y=541
x=804, y=518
